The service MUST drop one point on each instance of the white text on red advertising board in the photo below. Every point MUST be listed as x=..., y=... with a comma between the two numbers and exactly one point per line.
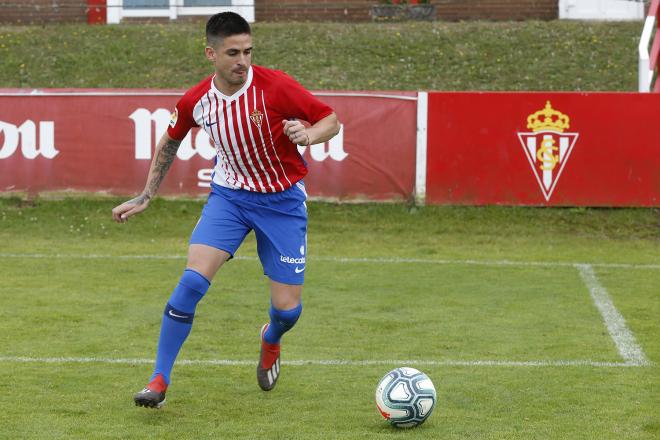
x=24, y=137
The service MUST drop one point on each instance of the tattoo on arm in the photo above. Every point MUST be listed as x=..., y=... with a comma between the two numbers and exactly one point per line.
x=162, y=162
x=139, y=199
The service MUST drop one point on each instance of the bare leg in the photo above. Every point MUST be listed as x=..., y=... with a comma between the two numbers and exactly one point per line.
x=206, y=259
x=285, y=296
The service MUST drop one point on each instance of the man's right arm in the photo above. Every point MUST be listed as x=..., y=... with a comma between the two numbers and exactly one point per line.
x=163, y=157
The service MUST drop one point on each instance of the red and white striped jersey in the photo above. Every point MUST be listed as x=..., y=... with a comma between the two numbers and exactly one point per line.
x=253, y=153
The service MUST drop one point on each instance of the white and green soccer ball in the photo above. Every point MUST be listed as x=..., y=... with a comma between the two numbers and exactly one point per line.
x=405, y=397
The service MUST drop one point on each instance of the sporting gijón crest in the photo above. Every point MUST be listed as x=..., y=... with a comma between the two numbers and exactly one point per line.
x=548, y=146
x=257, y=117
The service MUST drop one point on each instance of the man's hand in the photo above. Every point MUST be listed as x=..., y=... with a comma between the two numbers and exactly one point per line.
x=121, y=213
x=296, y=131
x=163, y=158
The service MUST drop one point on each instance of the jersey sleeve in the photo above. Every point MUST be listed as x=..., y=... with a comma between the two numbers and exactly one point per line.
x=182, y=119
x=296, y=101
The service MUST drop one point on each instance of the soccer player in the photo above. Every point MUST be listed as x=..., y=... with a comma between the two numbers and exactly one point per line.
x=252, y=114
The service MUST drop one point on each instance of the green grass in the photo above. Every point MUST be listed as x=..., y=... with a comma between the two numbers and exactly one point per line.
x=110, y=308
x=555, y=55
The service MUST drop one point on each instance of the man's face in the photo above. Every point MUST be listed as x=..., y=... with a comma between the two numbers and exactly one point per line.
x=232, y=57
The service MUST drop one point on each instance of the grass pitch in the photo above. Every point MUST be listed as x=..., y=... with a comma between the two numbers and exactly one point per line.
x=528, y=55
x=487, y=301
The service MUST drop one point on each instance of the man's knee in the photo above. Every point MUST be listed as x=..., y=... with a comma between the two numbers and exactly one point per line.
x=285, y=296
x=206, y=260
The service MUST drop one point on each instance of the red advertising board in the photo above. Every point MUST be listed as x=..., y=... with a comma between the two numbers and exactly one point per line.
x=558, y=149
x=103, y=140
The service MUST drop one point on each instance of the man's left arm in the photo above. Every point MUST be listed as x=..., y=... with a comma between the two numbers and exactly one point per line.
x=324, y=130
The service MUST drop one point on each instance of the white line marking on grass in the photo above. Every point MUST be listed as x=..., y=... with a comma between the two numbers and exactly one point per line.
x=351, y=260
x=623, y=338
x=325, y=362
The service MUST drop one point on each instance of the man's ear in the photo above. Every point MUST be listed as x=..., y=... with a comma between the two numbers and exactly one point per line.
x=210, y=53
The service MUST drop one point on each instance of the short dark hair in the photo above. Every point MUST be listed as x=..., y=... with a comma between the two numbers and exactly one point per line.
x=225, y=24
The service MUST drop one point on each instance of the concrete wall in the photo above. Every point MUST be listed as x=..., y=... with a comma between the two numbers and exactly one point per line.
x=451, y=10
x=48, y=11
x=42, y=11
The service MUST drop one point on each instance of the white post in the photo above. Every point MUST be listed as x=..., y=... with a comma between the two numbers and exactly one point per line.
x=173, y=13
x=420, y=161
x=645, y=72
x=245, y=8
x=113, y=12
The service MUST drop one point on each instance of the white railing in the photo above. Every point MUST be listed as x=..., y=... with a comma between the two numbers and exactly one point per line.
x=648, y=60
x=615, y=10
x=176, y=8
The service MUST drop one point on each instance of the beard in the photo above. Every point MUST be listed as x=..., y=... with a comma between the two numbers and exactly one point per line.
x=232, y=78
x=235, y=78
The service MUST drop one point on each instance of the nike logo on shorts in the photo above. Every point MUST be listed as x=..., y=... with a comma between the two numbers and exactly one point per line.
x=298, y=269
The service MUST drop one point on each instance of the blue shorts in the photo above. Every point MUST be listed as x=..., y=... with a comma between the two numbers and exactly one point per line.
x=279, y=221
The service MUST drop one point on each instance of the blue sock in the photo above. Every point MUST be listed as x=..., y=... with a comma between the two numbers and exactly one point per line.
x=177, y=320
x=281, y=321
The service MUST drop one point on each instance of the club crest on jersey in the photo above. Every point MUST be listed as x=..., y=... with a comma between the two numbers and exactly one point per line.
x=174, y=117
x=257, y=118
x=547, y=147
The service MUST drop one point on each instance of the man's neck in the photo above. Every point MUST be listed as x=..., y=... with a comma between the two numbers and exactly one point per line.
x=225, y=88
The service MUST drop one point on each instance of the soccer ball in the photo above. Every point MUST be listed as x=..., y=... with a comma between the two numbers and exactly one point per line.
x=405, y=397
